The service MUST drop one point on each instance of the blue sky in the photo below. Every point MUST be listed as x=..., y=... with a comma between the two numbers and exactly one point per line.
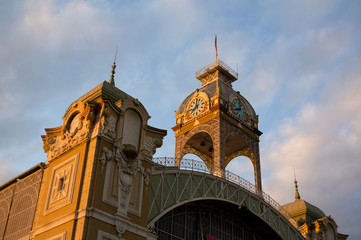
x=298, y=61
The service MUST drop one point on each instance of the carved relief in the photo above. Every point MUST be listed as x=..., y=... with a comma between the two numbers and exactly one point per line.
x=108, y=122
x=107, y=156
x=146, y=173
x=78, y=124
x=150, y=146
x=128, y=165
x=62, y=184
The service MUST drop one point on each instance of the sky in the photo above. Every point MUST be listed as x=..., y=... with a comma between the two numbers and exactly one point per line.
x=299, y=65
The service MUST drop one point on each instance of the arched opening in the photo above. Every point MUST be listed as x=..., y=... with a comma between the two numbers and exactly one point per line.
x=212, y=219
x=201, y=145
x=243, y=167
x=233, y=144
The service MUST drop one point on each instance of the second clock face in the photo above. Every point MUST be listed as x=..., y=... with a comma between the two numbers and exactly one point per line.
x=196, y=106
x=239, y=109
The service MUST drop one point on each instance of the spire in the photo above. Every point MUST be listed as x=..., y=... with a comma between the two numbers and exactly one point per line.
x=297, y=194
x=111, y=80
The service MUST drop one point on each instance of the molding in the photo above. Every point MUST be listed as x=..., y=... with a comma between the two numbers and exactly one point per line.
x=61, y=236
x=25, y=237
x=55, y=223
x=52, y=159
x=138, y=211
x=67, y=199
x=106, y=198
x=102, y=234
x=110, y=219
x=105, y=194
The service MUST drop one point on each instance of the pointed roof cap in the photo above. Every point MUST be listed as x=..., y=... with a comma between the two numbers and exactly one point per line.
x=301, y=210
x=114, y=66
x=111, y=80
x=297, y=194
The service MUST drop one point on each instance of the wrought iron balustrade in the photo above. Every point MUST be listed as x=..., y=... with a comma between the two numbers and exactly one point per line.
x=214, y=64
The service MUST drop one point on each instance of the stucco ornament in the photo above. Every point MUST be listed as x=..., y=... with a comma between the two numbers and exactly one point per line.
x=107, y=156
x=120, y=225
x=146, y=176
x=78, y=124
x=128, y=164
x=150, y=146
x=109, y=122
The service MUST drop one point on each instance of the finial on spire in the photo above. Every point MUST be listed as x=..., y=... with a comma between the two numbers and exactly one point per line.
x=111, y=80
x=297, y=194
x=215, y=45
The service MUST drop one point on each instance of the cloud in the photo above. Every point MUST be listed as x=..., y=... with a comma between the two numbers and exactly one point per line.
x=321, y=142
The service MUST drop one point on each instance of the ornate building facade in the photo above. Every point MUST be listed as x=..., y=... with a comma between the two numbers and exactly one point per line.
x=100, y=180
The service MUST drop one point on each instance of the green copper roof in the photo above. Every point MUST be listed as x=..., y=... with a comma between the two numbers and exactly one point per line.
x=105, y=89
x=300, y=209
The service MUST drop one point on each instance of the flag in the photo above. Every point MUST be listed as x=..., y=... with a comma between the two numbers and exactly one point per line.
x=210, y=237
x=215, y=45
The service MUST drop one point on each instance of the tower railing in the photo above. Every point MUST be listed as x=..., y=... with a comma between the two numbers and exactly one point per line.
x=199, y=166
x=215, y=64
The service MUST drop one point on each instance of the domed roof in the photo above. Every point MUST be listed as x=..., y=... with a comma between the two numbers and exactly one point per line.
x=225, y=92
x=209, y=89
x=302, y=211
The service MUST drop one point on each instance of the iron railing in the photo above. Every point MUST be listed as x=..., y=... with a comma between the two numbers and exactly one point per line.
x=214, y=64
x=199, y=166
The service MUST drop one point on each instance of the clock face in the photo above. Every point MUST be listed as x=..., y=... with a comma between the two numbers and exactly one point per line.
x=74, y=123
x=196, y=106
x=239, y=109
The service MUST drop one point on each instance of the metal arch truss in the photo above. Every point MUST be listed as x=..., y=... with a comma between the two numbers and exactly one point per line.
x=171, y=187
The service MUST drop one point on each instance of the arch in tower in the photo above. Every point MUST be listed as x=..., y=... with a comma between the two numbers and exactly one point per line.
x=236, y=146
x=198, y=142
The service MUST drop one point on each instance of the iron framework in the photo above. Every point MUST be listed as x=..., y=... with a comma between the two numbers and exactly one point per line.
x=171, y=185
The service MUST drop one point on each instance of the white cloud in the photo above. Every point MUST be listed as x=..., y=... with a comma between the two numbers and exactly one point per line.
x=321, y=141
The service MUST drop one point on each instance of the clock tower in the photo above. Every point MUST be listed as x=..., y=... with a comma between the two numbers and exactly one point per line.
x=217, y=123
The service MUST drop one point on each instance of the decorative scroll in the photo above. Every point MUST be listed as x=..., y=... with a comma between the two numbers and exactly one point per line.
x=150, y=146
x=79, y=121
